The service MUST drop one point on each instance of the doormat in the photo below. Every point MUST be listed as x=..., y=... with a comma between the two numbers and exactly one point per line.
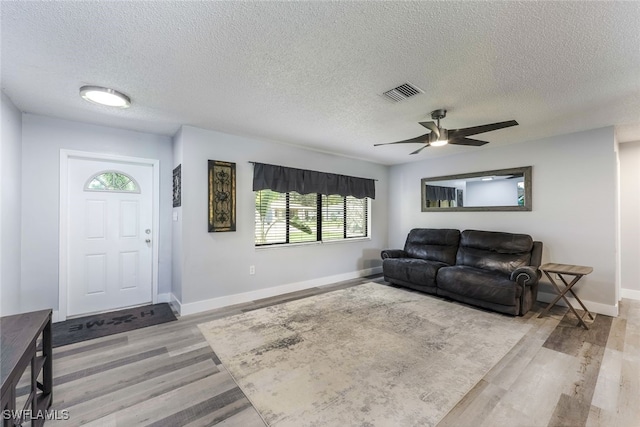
x=100, y=325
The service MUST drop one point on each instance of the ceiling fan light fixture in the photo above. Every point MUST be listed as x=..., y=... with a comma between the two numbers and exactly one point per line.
x=105, y=96
x=439, y=136
x=442, y=136
x=439, y=142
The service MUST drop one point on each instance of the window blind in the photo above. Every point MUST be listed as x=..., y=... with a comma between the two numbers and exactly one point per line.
x=283, y=218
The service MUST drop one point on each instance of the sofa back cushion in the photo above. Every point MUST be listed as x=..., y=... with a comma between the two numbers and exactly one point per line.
x=433, y=244
x=495, y=251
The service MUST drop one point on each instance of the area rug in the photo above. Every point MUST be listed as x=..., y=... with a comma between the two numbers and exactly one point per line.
x=370, y=355
x=100, y=325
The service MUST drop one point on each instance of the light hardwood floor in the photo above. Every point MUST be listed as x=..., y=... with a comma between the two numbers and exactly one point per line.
x=166, y=375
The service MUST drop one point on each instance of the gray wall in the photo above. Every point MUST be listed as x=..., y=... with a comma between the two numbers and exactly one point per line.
x=207, y=265
x=574, y=202
x=574, y=208
x=176, y=226
x=10, y=207
x=503, y=192
x=630, y=219
x=43, y=138
x=217, y=264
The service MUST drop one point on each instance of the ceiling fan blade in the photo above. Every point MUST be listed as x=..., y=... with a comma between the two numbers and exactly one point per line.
x=467, y=141
x=457, y=133
x=420, y=149
x=432, y=127
x=422, y=138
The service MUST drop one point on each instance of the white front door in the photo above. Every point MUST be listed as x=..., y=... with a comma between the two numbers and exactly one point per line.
x=110, y=246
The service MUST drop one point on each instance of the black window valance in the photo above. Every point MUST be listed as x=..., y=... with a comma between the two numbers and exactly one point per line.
x=435, y=192
x=283, y=179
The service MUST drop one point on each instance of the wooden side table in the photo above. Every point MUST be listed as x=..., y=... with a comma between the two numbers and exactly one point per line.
x=577, y=271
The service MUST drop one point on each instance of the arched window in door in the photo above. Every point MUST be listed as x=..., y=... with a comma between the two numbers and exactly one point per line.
x=112, y=181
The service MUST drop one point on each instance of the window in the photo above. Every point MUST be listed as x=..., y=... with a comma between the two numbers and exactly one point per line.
x=283, y=218
x=521, y=193
x=343, y=217
x=112, y=181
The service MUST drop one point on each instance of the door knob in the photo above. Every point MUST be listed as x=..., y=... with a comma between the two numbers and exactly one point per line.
x=148, y=240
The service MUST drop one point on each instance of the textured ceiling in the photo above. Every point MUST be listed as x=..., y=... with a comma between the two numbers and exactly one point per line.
x=312, y=73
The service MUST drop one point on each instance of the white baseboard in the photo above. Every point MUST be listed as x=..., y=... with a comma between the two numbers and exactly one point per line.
x=630, y=294
x=199, y=306
x=55, y=316
x=175, y=303
x=595, y=307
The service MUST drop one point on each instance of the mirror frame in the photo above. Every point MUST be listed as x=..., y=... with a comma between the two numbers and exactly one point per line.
x=525, y=170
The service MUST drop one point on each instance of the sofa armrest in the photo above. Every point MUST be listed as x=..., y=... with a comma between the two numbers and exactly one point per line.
x=525, y=276
x=393, y=253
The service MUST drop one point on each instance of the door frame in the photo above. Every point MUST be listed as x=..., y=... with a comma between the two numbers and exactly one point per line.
x=65, y=156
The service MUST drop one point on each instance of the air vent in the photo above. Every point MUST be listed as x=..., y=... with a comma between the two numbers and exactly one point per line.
x=402, y=92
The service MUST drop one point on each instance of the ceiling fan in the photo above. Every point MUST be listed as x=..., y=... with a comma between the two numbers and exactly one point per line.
x=440, y=136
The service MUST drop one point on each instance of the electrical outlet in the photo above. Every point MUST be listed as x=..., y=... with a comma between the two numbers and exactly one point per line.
x=252, y=269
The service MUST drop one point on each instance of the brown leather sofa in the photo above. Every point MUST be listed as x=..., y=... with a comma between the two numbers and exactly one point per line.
x=493, y=270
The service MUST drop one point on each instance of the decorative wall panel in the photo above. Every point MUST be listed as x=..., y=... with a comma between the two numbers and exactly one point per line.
x=222, y=196
x=177, y=186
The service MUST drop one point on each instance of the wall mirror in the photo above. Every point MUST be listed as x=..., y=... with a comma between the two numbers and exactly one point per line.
x=497, y=190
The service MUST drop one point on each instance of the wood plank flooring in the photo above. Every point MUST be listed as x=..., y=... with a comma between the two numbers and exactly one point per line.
x=166, y=375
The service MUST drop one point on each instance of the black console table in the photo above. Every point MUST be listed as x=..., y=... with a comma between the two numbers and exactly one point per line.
x=19, y=335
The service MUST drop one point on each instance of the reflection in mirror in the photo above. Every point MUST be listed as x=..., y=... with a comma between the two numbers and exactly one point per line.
x=498, y=190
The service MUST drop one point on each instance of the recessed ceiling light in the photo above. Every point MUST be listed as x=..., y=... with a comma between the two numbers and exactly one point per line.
x=105, y=96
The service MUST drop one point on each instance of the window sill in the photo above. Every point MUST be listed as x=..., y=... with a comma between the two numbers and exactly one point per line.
x=328, y=242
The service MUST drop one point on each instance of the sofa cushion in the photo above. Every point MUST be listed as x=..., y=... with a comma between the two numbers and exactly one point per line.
x=478, y=284
x=433, y=244
x=418, y=271
x=495, y=251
